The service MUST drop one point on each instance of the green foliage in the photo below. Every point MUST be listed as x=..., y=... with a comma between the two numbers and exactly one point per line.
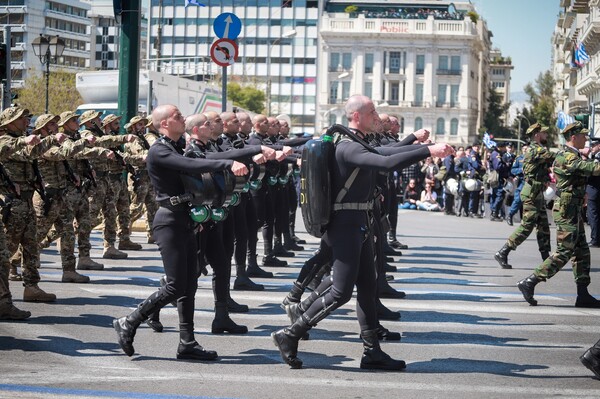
x=63, y=96
x=541, y=98
x=473, y=15
x=247, y=97
x=492, y=119
x=351, y=9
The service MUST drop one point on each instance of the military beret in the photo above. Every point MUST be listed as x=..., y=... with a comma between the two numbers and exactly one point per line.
x=43, y=120
x=574, y=128
x=137, y=119
x=533, y=128
x=66, y=116
x=11, y=114
x=88, y=116
x=109, y=119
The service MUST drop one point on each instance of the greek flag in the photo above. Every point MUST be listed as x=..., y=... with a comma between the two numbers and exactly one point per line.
x=487, y=140
x=194, y=2
x=563, y=120
x=579, y=57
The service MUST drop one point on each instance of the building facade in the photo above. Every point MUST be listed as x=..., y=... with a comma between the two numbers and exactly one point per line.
x=277, y=49
x=426, y=62
x=30, y=18
x=500, y=71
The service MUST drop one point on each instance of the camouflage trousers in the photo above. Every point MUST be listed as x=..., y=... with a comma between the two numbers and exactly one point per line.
x=534, y=216
x=570, y=242
x=142, y=195
x=59, y=214
x=102, y=200
x=5, y=295
x=123, y=205
x=21, y=233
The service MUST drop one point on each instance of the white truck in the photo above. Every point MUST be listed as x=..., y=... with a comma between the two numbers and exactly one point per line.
x=100, y=92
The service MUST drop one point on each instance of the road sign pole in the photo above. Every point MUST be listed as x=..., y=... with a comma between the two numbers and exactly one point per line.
x=224, y=91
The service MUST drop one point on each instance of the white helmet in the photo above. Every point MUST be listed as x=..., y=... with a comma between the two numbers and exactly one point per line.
x=549, y=193
x=452, y=186
x=472, y=185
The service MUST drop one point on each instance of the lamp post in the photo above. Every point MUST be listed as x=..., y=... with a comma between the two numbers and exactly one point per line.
x=47, y=49
x=519, y=117
x=290, y=33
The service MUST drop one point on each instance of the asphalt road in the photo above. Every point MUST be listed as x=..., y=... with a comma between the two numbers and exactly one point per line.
x=467, y=332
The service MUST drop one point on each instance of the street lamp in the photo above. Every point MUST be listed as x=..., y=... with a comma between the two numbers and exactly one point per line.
x=48, y=49
x=519, y=117
x=287, y=34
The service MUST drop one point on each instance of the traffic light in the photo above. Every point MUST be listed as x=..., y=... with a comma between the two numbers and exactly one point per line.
x=3, y=66
x=584, y=119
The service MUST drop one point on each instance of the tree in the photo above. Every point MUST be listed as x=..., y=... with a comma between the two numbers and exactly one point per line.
x=541, y=98
x=247, y=97
x=63, y=96
x=492, y=119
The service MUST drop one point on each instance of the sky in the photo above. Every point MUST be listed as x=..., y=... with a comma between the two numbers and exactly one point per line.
x=522, y=30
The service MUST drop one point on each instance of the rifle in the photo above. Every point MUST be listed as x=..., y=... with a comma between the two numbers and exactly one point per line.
x=11, y=185
x=71, y=174
x=89, y=172
x=40, y=187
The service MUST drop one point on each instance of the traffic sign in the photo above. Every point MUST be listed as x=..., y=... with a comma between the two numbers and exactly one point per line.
x=224, y=52
x=227, y=26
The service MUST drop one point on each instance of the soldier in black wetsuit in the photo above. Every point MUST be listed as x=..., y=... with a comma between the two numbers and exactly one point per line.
x=348, y=234
x=173, y=230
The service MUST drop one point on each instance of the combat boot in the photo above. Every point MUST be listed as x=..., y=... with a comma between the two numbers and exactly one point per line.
x=527, y=286
x=71, y=276
x=86, y=263
x=584, y=299
x=286, y=340
x=386, y=335
x=33, y=293
x=279, y=250
x=13, y=275
x=298, y=240
x=127, y=244
x=113, y=253
x=294, y=295
x=235, y=307
x=386, y=291
x=8, y=311
x=243, y=283
x=271, y=260
x=591, y=359
x=502, y=257
x=509, y=219
x=253, y=270
x=194, y=351
x=383, y=313
x=223, y=323
x=154, y=322
x=291, y=245
x=389, y=268
x=373, y=357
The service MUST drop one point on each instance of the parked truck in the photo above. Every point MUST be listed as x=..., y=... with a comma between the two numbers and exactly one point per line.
x=100, y=92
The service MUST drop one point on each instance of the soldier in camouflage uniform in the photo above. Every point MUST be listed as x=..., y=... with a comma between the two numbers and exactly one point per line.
x=20, y=226
x=9, y=145
x=571, y=172
x=54, y=207
x=108, y=174
x=77, y=191
x=140, y=188
x=536, y=170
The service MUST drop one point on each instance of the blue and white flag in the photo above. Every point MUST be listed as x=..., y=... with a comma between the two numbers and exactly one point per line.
x=194, y=2
x=582, y=55
x=487, y=140
x=563, y=120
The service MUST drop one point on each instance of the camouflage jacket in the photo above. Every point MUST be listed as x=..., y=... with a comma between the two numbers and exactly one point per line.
x=537, y=162
x=110, y=141
x=52, y=163
x=19, y=165
x=572, y=171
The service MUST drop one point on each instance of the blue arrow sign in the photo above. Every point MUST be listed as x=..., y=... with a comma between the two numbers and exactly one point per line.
x=227, y=26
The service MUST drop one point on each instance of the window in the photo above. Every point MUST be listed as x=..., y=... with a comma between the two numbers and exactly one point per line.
x=333, y=92
x=419, y=95
x=334, y=62
x=368, y=91
x=345, y=90
x=394, y=62
x=347, y=61
x=418, y=123
x=420, y=64
x=401, y=125
x=454, y=127
x=441, y=101
x=394, y=93
x=369, y=63
x=498, y=85
x=498, y=72
x=454, y=96
x=440, y=126
x=455, y=63
x=443, y=63
x=332, y=119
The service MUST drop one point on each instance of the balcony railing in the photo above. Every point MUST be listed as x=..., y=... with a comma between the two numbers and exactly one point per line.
x=449, y=72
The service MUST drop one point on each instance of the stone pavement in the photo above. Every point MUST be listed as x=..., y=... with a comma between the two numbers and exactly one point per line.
x=467, y=332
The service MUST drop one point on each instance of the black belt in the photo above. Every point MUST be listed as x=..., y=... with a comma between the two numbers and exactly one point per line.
x=166, y=203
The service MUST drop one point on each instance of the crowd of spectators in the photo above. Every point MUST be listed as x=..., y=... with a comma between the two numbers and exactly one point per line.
x=413, y=13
